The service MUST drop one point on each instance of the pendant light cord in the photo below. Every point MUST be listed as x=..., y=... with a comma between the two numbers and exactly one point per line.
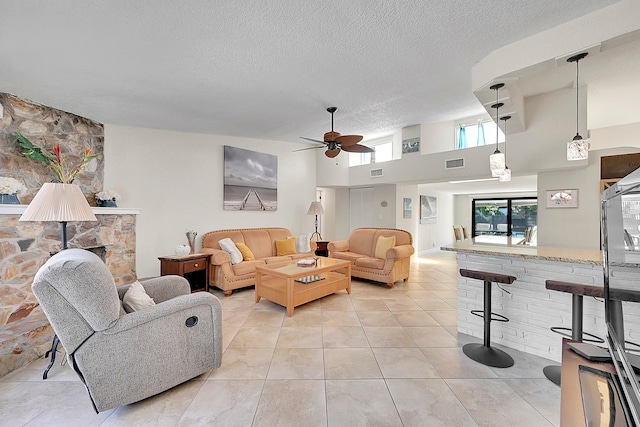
x=577, y=94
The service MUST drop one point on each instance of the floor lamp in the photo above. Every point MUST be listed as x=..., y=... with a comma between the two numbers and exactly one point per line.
x=61, y=203
x=316, y=209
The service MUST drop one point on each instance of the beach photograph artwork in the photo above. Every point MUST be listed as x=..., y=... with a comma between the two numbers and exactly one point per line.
x=250, y=180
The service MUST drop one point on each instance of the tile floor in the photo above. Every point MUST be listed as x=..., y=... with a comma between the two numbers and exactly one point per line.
x=377, y=357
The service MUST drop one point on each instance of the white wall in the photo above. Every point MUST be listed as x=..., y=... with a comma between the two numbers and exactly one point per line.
x=176, y=179
x=433, y=236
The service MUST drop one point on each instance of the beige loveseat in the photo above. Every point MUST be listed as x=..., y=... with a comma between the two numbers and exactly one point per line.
x=360, y=249
x=261, y=242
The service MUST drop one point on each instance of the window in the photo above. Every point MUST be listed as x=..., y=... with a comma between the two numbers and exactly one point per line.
x=383, y=153
x=504, y=217
x=475, y=135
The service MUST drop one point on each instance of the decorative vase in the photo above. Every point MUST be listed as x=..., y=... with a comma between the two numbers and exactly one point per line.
x=9, y=199
x=107, y=203
x=191, y=237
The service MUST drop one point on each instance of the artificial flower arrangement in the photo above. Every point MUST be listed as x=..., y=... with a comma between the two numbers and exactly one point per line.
x=11, y=186
x=108, y=195
x=55, y=161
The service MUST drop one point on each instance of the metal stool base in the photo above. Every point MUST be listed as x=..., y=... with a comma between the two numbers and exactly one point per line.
x=488, y=355
x=553, y=373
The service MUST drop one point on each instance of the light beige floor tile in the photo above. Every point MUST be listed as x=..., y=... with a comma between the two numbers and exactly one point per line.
x=337, y=302
x=377, y=318
x=369, y=305
x=383, y=336
x=445, y=318
x=350, y=363
x=401, y=304
x=243, y=363
x=224, y=403
x=297, y=363
x=431, y=336
x=255, y=337
x=292, y=403
x=428, y=402
x=164, y=409
x=525, y=365
x=300, y=337
x=491, y=402
x=434, y=285
x=449, y=294
x=340, y=318
x=541, y=393
x=414, y=318
x=404, y=363
x=360, y=403
x=453, y=363
x=264, y=318
x=304, y=315
x=344, y=336
x=433, y=303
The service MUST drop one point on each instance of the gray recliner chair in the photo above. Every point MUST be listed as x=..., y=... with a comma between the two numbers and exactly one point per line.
x=123, y=358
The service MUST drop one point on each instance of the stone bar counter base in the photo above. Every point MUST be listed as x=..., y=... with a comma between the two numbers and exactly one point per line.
x=531, y=308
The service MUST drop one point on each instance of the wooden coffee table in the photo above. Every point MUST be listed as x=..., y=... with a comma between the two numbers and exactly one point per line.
x=278, y=283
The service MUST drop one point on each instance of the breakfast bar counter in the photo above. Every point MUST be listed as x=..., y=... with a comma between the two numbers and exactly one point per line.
x=531, y=308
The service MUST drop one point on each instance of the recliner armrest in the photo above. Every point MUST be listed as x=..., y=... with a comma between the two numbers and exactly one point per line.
x=338, y=245
x=164, y=288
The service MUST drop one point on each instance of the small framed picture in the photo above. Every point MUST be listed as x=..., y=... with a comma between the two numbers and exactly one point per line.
x=562, y=198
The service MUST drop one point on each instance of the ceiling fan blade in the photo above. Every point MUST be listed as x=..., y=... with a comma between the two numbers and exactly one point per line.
x=358, y=149
x=331, y=136
x=332, y=153
x=347, y=140
x=312, y=140
x=307, y=148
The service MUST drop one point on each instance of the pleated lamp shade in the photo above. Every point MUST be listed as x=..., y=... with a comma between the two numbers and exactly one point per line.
x=315, y=209
x=59, y=202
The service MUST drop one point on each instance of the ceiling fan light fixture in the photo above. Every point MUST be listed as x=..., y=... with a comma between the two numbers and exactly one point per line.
x=578, y=147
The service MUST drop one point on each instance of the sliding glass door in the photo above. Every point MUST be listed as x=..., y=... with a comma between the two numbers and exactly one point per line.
x=504, y=216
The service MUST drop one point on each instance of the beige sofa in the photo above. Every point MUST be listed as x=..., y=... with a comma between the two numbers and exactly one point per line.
x=360, y=249
x=261, y=241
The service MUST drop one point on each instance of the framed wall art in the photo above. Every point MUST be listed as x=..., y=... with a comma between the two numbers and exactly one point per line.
x=428, y=209
x=561, y=198
x=250, y=180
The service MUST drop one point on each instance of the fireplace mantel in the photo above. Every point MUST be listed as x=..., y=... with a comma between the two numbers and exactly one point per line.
x=19, y=210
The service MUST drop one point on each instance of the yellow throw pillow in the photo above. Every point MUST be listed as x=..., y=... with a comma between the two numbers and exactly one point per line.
x=384, y=244
x=247, y=255
x=286, y=247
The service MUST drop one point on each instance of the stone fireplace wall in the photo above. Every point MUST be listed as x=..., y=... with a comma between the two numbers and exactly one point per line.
x=25, y=246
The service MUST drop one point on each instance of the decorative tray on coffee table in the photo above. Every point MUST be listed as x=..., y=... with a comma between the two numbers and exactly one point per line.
x=309, y=279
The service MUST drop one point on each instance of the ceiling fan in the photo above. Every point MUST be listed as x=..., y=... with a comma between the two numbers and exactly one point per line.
x=334, y=142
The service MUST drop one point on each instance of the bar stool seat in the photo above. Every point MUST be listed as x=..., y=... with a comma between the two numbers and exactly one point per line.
x=578, y=291
x=484, y=353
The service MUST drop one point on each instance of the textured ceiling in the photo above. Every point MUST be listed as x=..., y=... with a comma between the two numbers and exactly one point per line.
x=263, y=69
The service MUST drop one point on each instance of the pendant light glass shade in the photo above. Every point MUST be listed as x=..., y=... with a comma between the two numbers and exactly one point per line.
x=578, y=148
x=497, y=161
x=506, y=174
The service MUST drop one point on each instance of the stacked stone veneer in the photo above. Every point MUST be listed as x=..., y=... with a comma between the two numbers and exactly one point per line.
x=531, y=308
x=25, y=246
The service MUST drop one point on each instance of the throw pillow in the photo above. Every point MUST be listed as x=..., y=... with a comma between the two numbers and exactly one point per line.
x=303, y=243
x=247, y=255
x=383, y=245
x=286, y=247
x=136, y=298
x=228, y=246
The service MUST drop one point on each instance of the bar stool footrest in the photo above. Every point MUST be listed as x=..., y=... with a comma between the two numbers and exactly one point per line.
x=566, y=332
x=488, y=356
x=495, y=317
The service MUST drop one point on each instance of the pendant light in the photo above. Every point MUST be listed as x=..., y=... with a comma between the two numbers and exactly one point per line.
x=506, y=175
x=497, y=160
x=578, y=148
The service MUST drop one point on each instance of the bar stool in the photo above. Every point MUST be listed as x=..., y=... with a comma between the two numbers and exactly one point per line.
x=484, y=353
x=578, y=291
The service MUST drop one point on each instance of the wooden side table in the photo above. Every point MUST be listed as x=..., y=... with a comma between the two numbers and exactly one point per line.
x=193, y=267
x=321, y=248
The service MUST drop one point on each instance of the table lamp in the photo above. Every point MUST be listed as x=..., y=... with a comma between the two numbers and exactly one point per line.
x=61, y=203
x=316, y=209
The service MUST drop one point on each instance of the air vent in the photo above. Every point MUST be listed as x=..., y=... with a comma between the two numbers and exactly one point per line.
x=454, y=164
x=375, y=173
